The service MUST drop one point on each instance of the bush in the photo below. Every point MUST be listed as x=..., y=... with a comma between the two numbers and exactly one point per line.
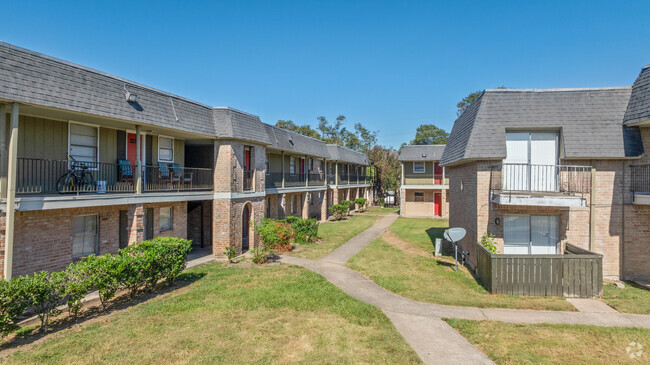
x=230, y=253
x=77, y=283
x=348, y=204
x=275, y=234
x=105, y=274
x=45, y=292
x=260, y=255
x=489, y=243
x=304, y=230
x=361, y=202
x=174, y=256
x=339, y=211
x=13, y=302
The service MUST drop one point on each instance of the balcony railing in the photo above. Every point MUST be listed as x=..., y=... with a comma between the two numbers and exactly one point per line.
x=249, y=176
x=561, y=179
x=344, y=179
x=296, y=179
x=315, y=179
x=331, y=179
x=640, y=179
x=41, y=176
x=274, y=180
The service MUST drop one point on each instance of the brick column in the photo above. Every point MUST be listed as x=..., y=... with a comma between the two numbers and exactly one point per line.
x=221, y=227
x=282, y=206
x=135, y=224
x=335, y=196
x=305, y=205
x=323, y=207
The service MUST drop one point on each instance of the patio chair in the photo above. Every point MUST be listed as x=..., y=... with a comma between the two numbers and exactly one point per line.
x=185, y=177
x=166, y=175
x=126, y=171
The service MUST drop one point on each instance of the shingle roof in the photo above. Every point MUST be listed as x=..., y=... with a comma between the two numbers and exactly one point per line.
x=421, y=153
x=590, y=120
x=283, y=139
x=638, y=109
x=343, y=154
x=38, y=79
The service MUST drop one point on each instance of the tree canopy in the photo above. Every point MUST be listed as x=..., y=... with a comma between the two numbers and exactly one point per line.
x=359, y=138
x=467, y=101
x=302, y=129
x=430, y=134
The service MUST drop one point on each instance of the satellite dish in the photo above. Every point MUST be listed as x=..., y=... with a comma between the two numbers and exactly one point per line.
x=455, y=234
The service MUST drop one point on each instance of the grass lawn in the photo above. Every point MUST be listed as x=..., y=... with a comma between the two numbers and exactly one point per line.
x=268, y=314
x=333, y=235
x=380, y=210
x=401, y=261
x=507, y=343
x=631, y=299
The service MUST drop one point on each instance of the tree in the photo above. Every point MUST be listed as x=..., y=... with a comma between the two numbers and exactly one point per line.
x=386, y=169
x=467, y=101
x=361, y=139
x=430, y=134
x=305, y=129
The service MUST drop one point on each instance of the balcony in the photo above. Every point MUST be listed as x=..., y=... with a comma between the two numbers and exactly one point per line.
x=640, y=184
x=249, y=178
x=296, y=179
x=316, y=179
x=540, y=185
x=274, y=180
x=41, y=177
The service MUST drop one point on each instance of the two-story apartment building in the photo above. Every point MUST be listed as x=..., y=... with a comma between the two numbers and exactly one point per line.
x=424, y=186
x=91, y=162
x=540, y=168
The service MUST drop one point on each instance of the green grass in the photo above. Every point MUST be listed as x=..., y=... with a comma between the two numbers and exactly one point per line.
x=631, y=299
x=408, y=268
x=268, y=314
x=333, y=235
x=507, y=343
x=381, y=211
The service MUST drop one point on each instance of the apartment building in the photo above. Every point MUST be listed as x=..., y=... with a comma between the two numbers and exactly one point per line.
x=540, y=168
x=424, y=190
x=91, y=162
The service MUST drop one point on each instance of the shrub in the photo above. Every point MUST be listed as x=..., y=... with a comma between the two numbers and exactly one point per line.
x=382, y=202
x=259, y=255
x=13, y=302
x=275, y=234
x=77, y=283
x=304, y=230
x=489, y=243
x=339, y=211
x=105, y=274
x=230, y=253
x=348, y=204
x=174, y=257
x=44, y=291
x=361, y=202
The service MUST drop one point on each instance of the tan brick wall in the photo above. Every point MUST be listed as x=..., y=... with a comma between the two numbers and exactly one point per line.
x=228, y=220
x=463, y=210
x=636, y=250
x=179, y=220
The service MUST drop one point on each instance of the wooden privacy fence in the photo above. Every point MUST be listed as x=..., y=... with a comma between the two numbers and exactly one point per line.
x=577, y=274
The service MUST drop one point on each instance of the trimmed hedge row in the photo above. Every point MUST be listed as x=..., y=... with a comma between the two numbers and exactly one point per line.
x=138, y=266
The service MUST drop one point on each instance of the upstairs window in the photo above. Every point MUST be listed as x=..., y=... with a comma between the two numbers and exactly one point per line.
x=268, y=164
x=418, y=167
x=84, y=142
x=292, y=166
x=165, y=149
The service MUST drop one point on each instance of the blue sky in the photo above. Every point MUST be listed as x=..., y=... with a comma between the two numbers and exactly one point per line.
x=389, y=65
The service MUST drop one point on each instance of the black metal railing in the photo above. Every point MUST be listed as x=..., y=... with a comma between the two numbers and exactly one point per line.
x=168, y=177
x=331, y=179
x=316, y=178
x=344, y=179
x=42, y=176
x=640, y=179
x=249, y=176
x=296, y=179
x=565, y=179
x=273, y=180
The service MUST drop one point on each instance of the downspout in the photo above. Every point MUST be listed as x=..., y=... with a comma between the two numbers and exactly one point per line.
x=11, y=193
x=592, y=217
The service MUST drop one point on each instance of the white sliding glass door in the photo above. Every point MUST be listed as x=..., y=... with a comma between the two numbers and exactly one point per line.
x=516, y=166
x=526, y=234
x=530, y=163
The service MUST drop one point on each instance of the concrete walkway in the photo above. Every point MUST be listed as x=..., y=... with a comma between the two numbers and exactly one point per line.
x=420, y=323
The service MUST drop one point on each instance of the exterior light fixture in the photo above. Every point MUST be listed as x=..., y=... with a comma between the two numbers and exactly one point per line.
x=129, y=97
x=424, y=155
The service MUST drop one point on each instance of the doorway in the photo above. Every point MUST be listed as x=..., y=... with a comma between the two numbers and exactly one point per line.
x=246, y=216
x=124, y=233
x=148, y=220
x=437, y=202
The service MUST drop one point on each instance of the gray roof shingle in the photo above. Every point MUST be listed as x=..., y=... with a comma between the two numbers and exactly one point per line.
x=590, y=121
x=638, y=109
x=343, y=154
x=283, y=139
x=421, y=153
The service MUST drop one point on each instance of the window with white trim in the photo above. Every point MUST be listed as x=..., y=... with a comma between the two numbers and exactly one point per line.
x=84, y=142
x=165, y=149
x=418, y=167
x=292, y=165
x=84, y=235
x=166, y=219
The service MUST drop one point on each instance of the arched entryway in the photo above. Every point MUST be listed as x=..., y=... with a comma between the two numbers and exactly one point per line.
x=245, y=224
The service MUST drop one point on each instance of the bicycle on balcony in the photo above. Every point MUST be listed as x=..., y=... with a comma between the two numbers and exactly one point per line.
x=78, y=178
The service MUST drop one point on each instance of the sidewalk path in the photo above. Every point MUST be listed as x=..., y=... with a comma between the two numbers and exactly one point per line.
x=421, y=324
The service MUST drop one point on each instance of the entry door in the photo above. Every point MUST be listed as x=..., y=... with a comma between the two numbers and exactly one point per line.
x=124, y=233
x=437, y=200
x=245, y=228
x=131, y=143
x=148, y=217
x=543, y=235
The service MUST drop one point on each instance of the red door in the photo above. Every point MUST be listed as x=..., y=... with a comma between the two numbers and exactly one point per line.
x=437, y=201
x=247, y=159
x=131, y=147
x=437, y=173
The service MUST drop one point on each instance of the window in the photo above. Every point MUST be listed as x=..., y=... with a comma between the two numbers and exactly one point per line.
x=311, y=164
x=418, y=167
x=292, y=166
x=84, y=235
x=84, y=142
x=320, y=197
x=268, y=207
x=165, y=149
x=311, y=198
x=419, y=196
x=268, y=164
x=294, y=205
x=166, y=219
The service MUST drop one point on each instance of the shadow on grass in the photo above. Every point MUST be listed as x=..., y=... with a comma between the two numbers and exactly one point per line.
x=93, y=310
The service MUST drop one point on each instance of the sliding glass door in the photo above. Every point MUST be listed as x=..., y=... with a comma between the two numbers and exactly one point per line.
x=530, y=235
x=531, y=161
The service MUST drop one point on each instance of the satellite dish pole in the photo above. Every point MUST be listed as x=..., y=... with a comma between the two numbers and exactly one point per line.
x=454, y=235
